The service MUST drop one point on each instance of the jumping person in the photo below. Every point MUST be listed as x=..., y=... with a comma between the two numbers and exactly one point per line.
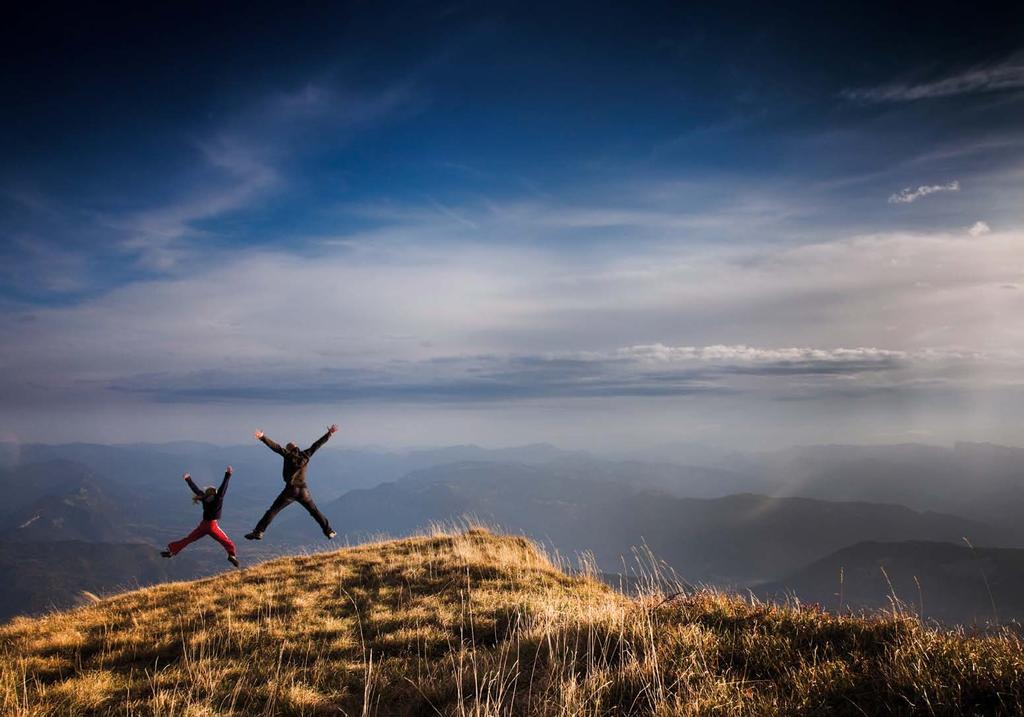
x=295, y=491
x=213, y=501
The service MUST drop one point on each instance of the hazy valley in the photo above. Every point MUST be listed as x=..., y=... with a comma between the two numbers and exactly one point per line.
x=788, y=523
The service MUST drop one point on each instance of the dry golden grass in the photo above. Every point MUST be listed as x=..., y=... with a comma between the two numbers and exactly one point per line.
x=478, y=624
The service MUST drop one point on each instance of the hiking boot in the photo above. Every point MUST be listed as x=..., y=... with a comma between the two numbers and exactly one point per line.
x=166, y=554
x=254, y=535
x=234, y=561
x=330, y=534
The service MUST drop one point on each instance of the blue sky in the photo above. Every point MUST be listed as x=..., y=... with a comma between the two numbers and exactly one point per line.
x=602, y=224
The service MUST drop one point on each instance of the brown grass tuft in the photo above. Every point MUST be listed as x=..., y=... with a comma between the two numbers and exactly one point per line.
x=478, y=624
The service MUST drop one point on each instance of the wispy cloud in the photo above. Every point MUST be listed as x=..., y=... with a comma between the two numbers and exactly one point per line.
x=338, y=107
x=644, y=212
x=1003, y=76
x=636, y=371
x=241, y=176
x=979, y=229
x=248, y=158
x=451, y=213
x=416, y=320
x=751, y=355
x=908, y=195
x=439, y=322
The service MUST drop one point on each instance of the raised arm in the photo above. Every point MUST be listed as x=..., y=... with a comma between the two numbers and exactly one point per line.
x=193, y=486
x=261, y=436
x=321, y=440
x=224, y=483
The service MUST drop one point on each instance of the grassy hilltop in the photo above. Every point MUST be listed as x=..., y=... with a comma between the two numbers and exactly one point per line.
x=478, y=624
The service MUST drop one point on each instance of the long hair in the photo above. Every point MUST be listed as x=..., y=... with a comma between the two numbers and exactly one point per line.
x=210, y=490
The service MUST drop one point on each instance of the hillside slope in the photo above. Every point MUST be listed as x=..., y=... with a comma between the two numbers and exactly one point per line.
x=484, y=625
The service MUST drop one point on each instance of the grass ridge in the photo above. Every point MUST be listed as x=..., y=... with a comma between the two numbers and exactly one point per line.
x=473, y=623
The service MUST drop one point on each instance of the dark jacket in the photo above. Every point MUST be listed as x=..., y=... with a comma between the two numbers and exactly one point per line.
x=213, y=504
x=294, y=469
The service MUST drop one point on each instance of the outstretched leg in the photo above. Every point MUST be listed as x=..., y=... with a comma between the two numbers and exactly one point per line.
x=306, y=500
x=221, y=537
x=280, y=503
x=178, y=545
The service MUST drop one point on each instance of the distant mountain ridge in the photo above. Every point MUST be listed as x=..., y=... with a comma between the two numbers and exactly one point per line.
x=941, y=581
x=738, y=539
x=977, y=480
x=61, y=500
x=52, y=575
x=742, y=520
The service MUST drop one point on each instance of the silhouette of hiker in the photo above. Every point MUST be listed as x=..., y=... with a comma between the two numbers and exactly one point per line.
x=213, y=501
x=295, y=491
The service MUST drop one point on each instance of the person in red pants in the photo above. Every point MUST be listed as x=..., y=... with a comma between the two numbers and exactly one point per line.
x=213, y=501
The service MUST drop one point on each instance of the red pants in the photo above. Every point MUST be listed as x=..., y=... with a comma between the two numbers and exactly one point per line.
x=207, y=527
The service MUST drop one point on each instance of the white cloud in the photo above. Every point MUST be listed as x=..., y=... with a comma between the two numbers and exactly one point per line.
x=409, y=316
x=242, y=176
x=908, y=194
x=979, y=229
x=1004, y=76
x=277, y=316
x=754, y=355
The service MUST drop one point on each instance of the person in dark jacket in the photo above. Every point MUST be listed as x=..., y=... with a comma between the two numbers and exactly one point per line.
x=213, y=502
x=295, y=490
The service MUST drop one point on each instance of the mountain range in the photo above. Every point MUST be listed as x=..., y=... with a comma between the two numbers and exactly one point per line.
x=739, y=521
x=737, y=540
x=938, y=581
